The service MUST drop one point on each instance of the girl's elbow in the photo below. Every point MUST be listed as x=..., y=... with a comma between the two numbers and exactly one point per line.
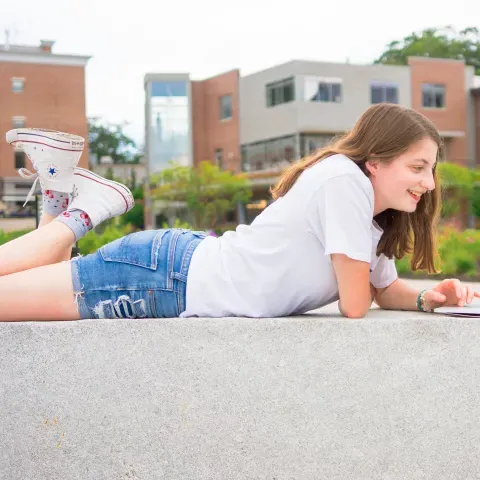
x=354, y=312
x=354, y=315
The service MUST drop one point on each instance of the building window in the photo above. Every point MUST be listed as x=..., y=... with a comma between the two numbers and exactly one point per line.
x=168, y=126
x=219, y=157
x=169, y=89
x=275, y=154
x=17, y=85
x=18, y=122
x=225, y=107
x=323, y=89
x=19, y=159
x=383, y=92
x=433, y=95
x=309, y=144
x=280, y=92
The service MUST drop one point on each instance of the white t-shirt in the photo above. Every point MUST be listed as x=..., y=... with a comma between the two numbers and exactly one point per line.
x=280, y=264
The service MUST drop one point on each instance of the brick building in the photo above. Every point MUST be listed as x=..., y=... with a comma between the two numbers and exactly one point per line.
x=290, y=110
x=261, y=122
x=41, y=89
x=189, y=121
x=215, y=120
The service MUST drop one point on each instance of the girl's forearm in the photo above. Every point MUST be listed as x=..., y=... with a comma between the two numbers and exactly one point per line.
x=398, y=296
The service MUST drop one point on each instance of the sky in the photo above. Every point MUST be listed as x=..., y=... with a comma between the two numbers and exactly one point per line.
x=204, y=38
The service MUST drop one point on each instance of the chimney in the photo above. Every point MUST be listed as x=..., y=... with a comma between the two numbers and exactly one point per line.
x=7, y=40
x=46, y=45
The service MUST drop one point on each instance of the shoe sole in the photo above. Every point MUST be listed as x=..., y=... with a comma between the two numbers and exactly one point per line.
x=50, y=138
x=120, y=188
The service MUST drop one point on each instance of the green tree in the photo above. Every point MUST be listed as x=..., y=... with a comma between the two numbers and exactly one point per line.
x=106, y=139
x=207, y=192
x=436, y=43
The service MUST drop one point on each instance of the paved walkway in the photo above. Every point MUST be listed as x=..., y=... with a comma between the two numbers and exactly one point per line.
x=14, y=224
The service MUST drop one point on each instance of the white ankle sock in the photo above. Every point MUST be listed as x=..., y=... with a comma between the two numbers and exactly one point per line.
x=78, y=221
x=54, y=203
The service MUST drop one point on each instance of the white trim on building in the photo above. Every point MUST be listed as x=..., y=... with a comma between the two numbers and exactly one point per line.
x=44, y=59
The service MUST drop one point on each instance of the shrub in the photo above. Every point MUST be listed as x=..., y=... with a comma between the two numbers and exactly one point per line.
x=459, y=254
x=6, y=237
x=134, y=217
x=178, y=224
x=91, y=242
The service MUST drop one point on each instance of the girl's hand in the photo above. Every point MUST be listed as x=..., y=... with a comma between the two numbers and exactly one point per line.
x=450, y=292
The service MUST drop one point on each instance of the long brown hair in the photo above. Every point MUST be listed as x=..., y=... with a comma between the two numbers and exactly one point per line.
x=386, y=131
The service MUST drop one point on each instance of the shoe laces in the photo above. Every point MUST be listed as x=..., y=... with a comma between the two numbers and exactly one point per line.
x=27, y=174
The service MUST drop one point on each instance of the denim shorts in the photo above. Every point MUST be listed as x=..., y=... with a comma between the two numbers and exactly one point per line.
x=141, y=275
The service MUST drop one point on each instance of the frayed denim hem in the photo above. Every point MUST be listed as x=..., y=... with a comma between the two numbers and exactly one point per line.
x=78, y=291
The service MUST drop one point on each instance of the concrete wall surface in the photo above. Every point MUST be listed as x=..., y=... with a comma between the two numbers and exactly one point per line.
x=392, y=396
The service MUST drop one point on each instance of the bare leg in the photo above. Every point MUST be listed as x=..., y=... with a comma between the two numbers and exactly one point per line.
x=45, y=220
x=44, y=246
x=44, y=293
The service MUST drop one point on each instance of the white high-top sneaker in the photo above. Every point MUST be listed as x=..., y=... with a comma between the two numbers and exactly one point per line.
x=98, y=197
x=54, y=156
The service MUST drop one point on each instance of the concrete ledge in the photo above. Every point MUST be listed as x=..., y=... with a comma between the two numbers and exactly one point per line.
x=393, y=396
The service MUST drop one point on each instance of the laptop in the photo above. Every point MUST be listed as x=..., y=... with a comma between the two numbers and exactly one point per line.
x=470, y=311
